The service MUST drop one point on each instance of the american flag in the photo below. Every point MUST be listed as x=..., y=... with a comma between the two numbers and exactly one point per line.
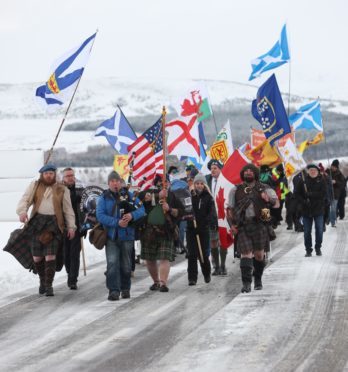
x=147, y=153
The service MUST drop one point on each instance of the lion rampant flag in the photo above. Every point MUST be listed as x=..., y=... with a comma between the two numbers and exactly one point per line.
x=264, y=154
x=229, y=176
x=303, y=146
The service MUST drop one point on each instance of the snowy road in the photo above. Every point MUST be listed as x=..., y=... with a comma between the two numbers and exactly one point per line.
x=299, y=322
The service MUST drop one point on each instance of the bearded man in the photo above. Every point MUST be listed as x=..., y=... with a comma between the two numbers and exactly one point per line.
x=51, y=213
x=248, y=213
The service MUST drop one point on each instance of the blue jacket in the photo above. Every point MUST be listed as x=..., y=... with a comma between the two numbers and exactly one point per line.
x=105, y=205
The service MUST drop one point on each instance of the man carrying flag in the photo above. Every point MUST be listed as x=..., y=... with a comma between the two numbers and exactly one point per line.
x=248, y=212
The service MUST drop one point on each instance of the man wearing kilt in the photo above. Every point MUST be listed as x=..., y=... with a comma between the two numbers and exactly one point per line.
x=248, y=212
x=158, y=234
x=51, y=212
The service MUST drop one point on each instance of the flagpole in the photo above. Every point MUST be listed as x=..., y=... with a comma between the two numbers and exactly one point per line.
x=289, y=94
x=164, y=180
x=66, y=112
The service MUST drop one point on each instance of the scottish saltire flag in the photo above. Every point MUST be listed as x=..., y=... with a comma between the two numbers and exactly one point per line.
x=118, y=132
x=65, y=75
x=268, y=109
x=276, y=57
x=307, y=117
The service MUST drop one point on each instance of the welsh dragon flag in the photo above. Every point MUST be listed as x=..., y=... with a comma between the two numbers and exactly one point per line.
x=229, y=176
x=194, y=102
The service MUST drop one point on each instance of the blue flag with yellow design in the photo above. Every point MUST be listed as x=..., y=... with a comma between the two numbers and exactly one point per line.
x=268, y=109
x=65, y=75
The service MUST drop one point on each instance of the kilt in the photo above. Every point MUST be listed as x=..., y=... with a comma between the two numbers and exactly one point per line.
x=155, y=246
x=252, y=237
x=37, y=225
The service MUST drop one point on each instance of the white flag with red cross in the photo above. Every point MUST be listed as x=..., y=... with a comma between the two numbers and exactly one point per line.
x=229, y=176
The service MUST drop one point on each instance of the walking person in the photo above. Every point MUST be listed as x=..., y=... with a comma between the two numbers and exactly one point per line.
x=204, y=217
x=248, y=211
x=218, y=254
x=158, y=234
x=51, y=213
x=72, y=247
x=120, y=241
x=311, y=192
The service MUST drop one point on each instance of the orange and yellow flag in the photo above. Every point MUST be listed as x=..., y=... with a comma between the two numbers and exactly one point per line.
x=264, y=154
x=121, y=166
x=303, y=146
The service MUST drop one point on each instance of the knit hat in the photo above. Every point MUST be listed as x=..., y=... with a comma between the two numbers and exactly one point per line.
x=172, y=168
x=114, y=176
x=215, y=162
x=335, y=163
x=253, y=168
x=193, y=173
x=312, y=165
x=200, y=178
x=48, y=168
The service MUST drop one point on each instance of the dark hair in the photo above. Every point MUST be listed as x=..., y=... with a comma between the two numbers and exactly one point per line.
x=68, y=169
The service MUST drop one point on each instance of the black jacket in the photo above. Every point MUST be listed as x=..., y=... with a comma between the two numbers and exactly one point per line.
x=204, y=211
x=312, y=197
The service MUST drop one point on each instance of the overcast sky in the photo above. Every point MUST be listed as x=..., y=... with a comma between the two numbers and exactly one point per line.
x=201, y=39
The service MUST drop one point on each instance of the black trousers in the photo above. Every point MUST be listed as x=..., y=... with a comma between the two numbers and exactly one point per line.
x=341, y=205
x=72, y=250
x=193, y=253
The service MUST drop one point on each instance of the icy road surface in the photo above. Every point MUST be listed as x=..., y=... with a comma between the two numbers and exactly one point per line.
x=298, y=322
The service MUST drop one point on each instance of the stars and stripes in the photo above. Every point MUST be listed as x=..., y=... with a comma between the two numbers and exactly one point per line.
x=147, y=154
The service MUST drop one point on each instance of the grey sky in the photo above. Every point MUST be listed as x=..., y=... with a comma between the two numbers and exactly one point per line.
x=179, y=39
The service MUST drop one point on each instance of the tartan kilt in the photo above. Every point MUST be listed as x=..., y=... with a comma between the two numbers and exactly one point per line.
x=252, y=237
x=23, y=243
x=155, y=246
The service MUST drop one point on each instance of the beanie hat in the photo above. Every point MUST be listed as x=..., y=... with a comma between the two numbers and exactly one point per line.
x=253, y=168
x=335, y=163
x=114, y=176
x=200, y=178
x=312, y=165
x=172, y=168
x=193, y=173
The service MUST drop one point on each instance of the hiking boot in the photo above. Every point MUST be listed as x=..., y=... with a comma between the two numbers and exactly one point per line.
x=113, y=296
x=164, y=288
x=192, y=282
x=258, y=284
x=318, y=252
x=155, y=287
x=246, y=287
x=223, y=271
x=289, y=227
x=216, y=271
x=49, y=291
x=207, y=278
x=42, y=289
x=308, y=254
x=73, y=286
x=125, y=294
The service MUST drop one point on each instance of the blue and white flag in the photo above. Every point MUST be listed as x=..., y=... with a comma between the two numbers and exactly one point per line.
x=268, y=109
x=118, y=132
x=65, y=75
x=277, y=56
x=307, y=117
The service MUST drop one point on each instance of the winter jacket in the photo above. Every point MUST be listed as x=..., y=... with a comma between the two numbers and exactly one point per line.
x=110, y=220
x=312, y=197
x=204, y=211
x=339, y=184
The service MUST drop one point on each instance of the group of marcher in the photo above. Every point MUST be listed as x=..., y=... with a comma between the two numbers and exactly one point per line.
x=161, y=216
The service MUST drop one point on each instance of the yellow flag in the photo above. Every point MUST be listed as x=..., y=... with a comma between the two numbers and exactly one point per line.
x=121, y=166
x=305, y=144
x=264, y=154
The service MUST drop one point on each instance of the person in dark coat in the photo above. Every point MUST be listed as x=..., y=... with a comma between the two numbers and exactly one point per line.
x=338, y=186
x=203, y=211
x=311, y=193
x=72, y=247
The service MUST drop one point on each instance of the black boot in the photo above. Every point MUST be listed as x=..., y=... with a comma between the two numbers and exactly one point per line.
x=223, y=254
x=50, y=271
x=216, y=259
x=246, y=268
x=258, y=271
x=40, y=268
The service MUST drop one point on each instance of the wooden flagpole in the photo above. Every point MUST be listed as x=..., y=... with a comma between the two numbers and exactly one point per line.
x=66, y=113
x=164, y=179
